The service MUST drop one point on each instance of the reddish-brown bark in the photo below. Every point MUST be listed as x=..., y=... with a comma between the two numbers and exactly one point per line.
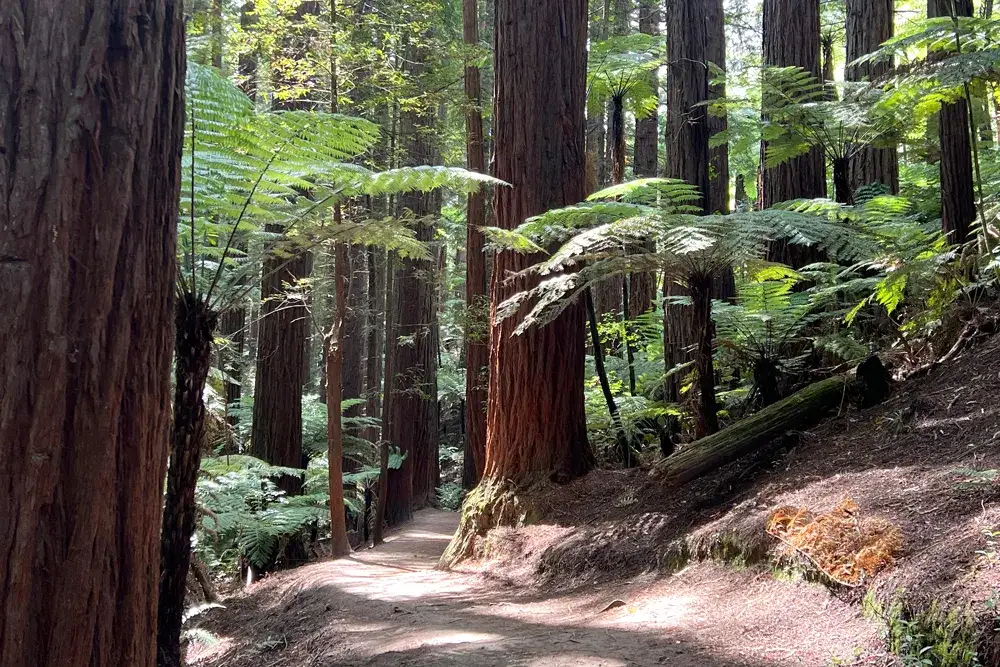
x=535, y=420
x=91, y=127
x=718, y=157
x=477, y=342
x=413, y=416
x=792, y=38
x=276, y=436
x=870, y=23
x=958, y=199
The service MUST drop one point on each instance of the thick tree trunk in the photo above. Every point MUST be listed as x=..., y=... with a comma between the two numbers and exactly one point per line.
x=792, y=38
x=413, y=415
x=958, y=199
x=718, y=157
x=195, y=323
x=870, y=23
x=477, y=330
x=91, y=128
x=535, y=420
x=284, y=330
x=693, y=40
x=276, y=435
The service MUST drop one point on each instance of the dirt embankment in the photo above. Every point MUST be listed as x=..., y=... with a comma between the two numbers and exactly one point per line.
x=926, y=462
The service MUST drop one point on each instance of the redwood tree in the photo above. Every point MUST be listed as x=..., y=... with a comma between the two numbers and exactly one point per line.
x=870, y=24
x=792, y=38
x=284, y=329
x=413, y=417
x=535, y=417
x=958, y=199
x=91, y=127
x=477, y=346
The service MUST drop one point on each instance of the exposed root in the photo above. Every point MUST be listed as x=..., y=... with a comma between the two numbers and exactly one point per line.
x=493, y=504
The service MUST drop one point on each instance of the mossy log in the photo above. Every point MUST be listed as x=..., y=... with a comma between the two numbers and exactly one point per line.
x=801, y=410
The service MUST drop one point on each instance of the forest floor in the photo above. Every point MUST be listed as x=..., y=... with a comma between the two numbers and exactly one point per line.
x=617, y=572
x=390, y=606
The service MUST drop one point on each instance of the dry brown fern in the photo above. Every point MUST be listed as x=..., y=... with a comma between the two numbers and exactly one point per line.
x=846, y=548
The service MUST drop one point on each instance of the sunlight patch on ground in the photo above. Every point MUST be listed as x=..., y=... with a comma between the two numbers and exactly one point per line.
x=573, y=660
x=668, y=611
x=457, y=639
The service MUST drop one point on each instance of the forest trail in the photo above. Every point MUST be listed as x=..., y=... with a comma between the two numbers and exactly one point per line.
x=390, y=606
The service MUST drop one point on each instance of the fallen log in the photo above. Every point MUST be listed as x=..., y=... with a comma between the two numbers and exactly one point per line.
x=802, y=410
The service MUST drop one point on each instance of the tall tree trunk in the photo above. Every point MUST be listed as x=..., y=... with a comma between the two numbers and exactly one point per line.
x=413, y=416
x=91, y=128
x=391, y=340
x=354, y=339
x=596, y=132
x=792, y=38
x=535, y=419
x=870, y=23
x=642, y=286
x=247, y=67
x=276, y=436
x=718, y=157
x=217, y=33
x=693, y=36
x=284, y=330
x=958, y=199
x=376, y=337
x=334, y=340
x=232, y=327
x=477, y=336
x=195, y=323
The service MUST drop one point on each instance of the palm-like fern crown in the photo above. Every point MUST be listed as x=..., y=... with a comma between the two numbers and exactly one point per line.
x=600, y=237
x=618, y=67
x=244, y=169
x=799, y=115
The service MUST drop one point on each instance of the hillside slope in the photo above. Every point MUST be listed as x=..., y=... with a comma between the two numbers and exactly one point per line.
x=925, y=462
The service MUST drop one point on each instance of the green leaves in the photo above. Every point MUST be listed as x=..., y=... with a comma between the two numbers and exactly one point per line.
x=621, y=67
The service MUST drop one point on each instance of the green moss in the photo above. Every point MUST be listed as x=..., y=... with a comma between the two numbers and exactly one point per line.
x=935, y=636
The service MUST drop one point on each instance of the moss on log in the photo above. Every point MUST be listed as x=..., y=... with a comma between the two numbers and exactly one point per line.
x=801, y=410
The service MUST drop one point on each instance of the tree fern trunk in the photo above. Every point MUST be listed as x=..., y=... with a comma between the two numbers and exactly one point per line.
x=193, y=358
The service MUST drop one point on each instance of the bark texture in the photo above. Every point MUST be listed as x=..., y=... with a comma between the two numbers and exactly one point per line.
x=276, y=436
x=792, y=38
x=477, y=332
x=869, y=24
x=642, y=286
x=353, y=337
x=535, y=420
x=376, y=339
x=413, y=416
x=718, y=157
x=195, y=323
x=958, y=199
x=91, y=127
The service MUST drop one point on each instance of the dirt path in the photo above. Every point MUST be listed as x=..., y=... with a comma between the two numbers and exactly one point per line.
x=389, y=606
